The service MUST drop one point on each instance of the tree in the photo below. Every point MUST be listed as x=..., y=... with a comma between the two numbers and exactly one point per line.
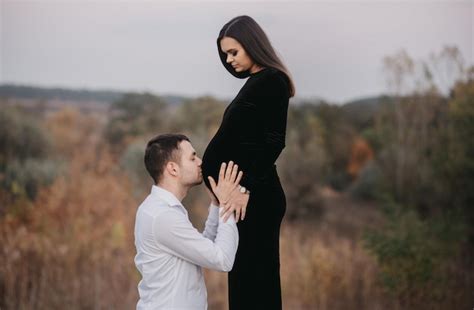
x=135, y=115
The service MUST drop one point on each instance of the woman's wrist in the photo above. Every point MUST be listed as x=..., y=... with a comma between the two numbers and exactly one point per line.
x=243, y=190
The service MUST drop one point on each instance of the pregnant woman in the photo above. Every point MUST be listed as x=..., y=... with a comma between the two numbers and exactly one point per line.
x=252, y=134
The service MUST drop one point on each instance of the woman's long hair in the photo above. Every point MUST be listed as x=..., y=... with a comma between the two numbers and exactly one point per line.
x=253, y=39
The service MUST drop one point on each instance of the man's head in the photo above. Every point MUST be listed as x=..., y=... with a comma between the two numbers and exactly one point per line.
x=171, y=157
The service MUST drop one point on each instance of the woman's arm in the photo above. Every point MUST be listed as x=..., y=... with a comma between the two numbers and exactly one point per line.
x=271, y=113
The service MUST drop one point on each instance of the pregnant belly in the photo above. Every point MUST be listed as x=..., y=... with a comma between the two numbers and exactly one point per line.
x=216, y=153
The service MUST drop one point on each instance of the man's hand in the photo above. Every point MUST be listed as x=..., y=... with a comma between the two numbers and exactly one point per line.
x=237, y=202
x=228, y=181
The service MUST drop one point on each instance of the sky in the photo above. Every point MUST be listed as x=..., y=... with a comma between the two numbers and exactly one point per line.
x=333, y=49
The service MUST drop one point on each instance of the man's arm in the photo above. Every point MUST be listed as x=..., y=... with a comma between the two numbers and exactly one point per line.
x=175, y=234
x=212, y=222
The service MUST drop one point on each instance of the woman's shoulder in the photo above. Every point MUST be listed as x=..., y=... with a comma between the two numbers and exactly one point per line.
x=268, y=73
x=270, y=77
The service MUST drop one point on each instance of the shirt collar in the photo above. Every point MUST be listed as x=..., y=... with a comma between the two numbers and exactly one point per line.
x=165, y=195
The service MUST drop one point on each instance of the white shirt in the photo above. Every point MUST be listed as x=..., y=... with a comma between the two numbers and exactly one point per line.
x=171, y=252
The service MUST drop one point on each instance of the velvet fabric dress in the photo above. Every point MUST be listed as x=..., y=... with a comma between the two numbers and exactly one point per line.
x=252, y=134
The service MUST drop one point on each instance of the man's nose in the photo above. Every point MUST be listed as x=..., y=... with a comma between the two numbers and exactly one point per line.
x=199, y=162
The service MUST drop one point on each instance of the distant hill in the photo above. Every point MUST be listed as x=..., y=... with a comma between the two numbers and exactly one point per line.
x=70, y=95
x=39, y=93
x=361, y=111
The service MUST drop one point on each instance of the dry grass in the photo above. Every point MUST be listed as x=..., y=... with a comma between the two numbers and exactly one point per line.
x=319, y=270
x=325, y=271
x=323, y=263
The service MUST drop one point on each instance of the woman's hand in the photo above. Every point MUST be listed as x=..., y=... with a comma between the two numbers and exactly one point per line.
x=237, y=202
x=228, y=181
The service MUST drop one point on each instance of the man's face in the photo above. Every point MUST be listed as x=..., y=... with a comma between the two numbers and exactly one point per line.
x=190, y=173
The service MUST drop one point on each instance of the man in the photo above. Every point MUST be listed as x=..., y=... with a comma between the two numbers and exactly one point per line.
x=170, y=251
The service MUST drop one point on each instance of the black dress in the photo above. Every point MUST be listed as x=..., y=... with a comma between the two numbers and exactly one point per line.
x=252, y=134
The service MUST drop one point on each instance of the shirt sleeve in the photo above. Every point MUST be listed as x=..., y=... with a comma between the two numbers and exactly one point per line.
x=212, y=222
x=175, y=234
x=271, y=112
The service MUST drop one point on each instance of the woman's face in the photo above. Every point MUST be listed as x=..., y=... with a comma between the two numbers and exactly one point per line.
x=237, y=56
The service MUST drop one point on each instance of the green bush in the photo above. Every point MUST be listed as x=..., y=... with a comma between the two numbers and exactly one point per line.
x=132, y=161
x=24, y=146
x=369, y=183
x=21, y=137
x=415, y=255
x=135, y=115
x=25, y=178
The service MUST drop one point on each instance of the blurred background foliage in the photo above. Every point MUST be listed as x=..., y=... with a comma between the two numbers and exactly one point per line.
x=380, y=194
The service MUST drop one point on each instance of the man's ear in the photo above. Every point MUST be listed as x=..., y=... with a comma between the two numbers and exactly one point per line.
x=172, y=168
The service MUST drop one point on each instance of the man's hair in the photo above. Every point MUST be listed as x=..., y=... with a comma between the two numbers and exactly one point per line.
x=159, y=151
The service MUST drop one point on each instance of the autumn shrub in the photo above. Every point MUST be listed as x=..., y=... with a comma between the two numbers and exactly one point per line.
x=74, y=249
x=72, y=246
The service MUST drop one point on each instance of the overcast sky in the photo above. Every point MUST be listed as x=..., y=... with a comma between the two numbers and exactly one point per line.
x=334, y=49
